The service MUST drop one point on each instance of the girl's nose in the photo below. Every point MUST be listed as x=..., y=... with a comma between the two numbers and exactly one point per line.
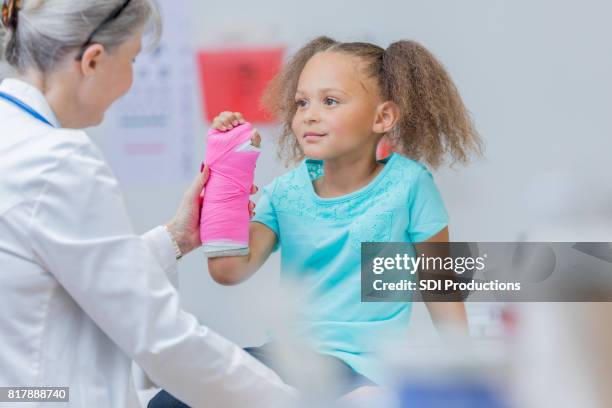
x=311, y=115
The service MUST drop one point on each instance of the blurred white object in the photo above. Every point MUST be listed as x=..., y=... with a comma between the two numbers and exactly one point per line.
x=146, y=395
x=368, y=397
x=563, y=355
x=563, y=351
x=454, y=372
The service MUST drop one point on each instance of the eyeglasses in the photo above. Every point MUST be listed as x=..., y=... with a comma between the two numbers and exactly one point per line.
x=111, y=17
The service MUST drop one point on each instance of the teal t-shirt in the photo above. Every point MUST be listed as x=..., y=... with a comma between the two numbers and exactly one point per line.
x=320, y=241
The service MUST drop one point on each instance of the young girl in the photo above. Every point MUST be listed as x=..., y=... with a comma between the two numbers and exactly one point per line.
x=336, y=102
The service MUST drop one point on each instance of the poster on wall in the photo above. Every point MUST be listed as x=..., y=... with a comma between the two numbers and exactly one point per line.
x=151, y=130
x=235, y=79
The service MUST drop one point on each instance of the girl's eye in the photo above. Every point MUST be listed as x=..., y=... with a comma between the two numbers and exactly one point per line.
x=300, y=103
x=330, y=101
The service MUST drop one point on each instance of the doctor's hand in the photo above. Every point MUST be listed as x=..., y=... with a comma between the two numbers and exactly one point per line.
x=185, y=226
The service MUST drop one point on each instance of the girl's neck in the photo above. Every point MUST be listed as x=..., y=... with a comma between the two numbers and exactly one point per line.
x=345, y=175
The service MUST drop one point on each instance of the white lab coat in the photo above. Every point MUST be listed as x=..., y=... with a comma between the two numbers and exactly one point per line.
x=81, y=295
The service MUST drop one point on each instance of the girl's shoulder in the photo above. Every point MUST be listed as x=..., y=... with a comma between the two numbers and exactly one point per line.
x=407, y=164
x=294, y=178
x=411, y=171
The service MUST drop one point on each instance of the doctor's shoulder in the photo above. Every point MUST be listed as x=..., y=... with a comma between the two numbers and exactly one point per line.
x=58, y=150
x=51, y=146
x=39, y=156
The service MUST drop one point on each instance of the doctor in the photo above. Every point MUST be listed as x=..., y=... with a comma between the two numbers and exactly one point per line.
x=81, y=295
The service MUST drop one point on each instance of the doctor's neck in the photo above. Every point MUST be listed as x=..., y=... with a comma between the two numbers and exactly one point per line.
x=61, y=93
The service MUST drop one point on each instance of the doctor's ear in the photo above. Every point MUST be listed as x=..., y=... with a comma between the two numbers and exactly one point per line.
x=91, y=58
x=387, y=115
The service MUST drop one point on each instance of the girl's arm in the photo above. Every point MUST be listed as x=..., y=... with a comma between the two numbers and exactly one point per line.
x=444, y=314
x=231, y=270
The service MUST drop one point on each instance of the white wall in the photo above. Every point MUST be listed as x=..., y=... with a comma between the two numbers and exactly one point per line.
x=534, y=75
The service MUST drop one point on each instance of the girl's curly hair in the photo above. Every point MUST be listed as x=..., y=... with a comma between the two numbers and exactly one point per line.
x=433, y=119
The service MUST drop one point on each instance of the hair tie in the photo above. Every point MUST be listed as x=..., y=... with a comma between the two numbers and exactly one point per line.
x=10, y=9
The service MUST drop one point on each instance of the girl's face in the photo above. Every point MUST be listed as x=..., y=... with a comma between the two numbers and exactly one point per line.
x=336, y=106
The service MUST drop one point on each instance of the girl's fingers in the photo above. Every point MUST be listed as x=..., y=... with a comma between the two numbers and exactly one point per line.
x=256, y=138
x=232, y=119
x=221, y=125
x=227, y=121
x=239, y=118
x=229, y=118
x=220, y=122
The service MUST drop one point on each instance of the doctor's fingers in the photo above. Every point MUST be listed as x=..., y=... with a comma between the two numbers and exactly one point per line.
x=200, y=181
x=254, y=190
x=251, y=209
x=227, y=120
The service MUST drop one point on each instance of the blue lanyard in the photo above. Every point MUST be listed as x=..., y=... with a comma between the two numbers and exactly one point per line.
x=24, y=107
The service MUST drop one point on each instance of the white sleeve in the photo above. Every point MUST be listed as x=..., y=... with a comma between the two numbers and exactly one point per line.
x=162, y=247
x=81, y=233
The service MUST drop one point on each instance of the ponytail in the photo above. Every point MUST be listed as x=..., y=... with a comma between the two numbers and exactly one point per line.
x=433, y=119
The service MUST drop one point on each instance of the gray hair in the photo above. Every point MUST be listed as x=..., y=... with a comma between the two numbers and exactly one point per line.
x=49, y=30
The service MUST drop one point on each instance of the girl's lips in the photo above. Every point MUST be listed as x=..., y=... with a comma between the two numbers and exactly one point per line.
x=313, y=134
